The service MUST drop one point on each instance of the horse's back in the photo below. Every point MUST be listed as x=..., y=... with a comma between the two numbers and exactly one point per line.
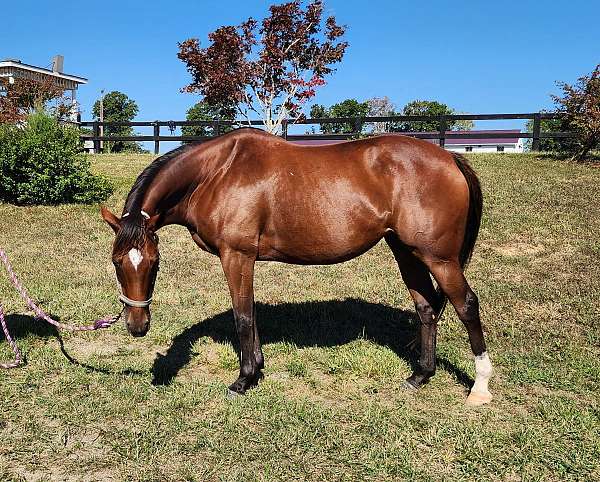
x=325, y=204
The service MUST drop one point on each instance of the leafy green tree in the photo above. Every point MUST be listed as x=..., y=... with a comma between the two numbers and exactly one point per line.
x=118, y=108
x=428, y=108
x=551, y=145
x=318, y=111
x=461, y=125
x=346, y=108
x=203, y=111
x=381, y=107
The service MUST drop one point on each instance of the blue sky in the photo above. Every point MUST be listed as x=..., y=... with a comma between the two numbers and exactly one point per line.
x=476, y=56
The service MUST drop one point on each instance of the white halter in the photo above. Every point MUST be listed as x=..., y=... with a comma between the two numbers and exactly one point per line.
x=133, y=303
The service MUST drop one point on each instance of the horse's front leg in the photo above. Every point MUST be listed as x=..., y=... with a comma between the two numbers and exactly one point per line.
x=239, y=271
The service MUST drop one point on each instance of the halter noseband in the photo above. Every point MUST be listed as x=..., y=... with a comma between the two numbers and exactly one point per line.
x=133, y=303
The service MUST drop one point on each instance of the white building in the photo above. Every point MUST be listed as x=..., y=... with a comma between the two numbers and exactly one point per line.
x=13, y=69
x=486, y=144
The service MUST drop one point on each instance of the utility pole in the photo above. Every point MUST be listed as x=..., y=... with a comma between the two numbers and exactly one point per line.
x=101, y=119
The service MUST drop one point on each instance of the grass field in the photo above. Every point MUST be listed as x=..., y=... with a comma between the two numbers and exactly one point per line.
x=106, y=406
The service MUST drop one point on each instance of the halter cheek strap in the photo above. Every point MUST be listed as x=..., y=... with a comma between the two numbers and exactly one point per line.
x=133, y=303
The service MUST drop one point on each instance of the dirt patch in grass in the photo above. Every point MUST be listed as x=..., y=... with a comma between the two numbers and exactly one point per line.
x=519, y=249
x=58, y=473
x=101, y=348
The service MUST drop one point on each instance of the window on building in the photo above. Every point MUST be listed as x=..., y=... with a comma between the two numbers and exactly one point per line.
x=500, y=148
x=469, y=149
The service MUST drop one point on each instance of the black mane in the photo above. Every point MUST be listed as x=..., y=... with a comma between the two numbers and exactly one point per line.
x=133, y=233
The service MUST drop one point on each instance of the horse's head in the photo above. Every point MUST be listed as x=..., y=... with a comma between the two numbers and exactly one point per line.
x=136, y=258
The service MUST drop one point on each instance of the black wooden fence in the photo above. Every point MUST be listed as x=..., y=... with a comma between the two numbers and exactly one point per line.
x=358, y=122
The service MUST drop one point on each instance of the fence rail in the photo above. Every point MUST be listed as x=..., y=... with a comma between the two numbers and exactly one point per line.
x=357, y=122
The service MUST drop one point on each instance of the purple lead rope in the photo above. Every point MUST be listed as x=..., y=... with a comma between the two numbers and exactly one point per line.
x=40, y=314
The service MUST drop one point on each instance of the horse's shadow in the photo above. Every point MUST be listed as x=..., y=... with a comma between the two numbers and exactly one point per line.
x=21, y=326
x=307, y=324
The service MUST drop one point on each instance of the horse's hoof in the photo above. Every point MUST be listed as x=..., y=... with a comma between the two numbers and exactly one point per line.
x=231, y=395
x=408, y=386
x=476, y=399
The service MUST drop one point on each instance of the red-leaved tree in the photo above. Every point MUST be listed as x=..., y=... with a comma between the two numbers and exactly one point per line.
x=580, y=104
x=269, y=68
x=21, y=97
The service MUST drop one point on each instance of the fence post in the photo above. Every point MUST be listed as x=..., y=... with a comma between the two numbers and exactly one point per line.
x=537, y=128
x=96, y=134
x=358, y=125
x=443, y=126
x=216, y=128
x=156, y=134
x=284, y=129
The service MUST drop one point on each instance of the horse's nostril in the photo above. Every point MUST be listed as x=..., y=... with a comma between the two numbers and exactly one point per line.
x=137, y=329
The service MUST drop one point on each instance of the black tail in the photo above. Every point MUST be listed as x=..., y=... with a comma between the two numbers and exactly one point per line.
x=473, y=218
x=475, y=209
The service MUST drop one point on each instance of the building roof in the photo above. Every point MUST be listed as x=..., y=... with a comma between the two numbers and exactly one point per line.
x=486, y=140
x=9, y=66
x=449, y=140
x=317, y=142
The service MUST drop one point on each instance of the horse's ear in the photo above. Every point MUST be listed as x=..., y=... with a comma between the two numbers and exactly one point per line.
x=113, y=221
x=153, y=222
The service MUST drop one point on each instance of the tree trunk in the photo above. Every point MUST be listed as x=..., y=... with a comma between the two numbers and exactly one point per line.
x=587, y=147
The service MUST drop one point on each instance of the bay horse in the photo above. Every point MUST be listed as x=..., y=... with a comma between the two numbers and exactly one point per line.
x=250, y=196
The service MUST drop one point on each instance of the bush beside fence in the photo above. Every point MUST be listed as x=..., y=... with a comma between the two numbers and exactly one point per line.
x=41, y=163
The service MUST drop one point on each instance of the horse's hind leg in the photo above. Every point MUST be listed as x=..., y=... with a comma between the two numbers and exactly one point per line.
x=258, y=354
x=239, y=271
x=428, y=304
x=452, y=281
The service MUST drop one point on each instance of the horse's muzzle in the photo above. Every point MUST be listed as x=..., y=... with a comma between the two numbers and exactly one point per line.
x=137, y=321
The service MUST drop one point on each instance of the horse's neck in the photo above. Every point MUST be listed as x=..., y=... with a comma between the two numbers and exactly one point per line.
x=168, y=194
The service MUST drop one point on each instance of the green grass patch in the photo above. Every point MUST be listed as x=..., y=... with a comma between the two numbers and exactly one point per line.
x=335, y=341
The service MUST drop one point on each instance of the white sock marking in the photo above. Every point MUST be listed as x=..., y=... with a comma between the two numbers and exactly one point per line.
x=483, y=372
x=135, y=257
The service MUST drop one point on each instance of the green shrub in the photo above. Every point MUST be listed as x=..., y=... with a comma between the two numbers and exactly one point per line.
x=42, y=163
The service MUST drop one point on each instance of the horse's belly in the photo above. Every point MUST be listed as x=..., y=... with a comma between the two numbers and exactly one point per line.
x=320, y=239
x=312, y=254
